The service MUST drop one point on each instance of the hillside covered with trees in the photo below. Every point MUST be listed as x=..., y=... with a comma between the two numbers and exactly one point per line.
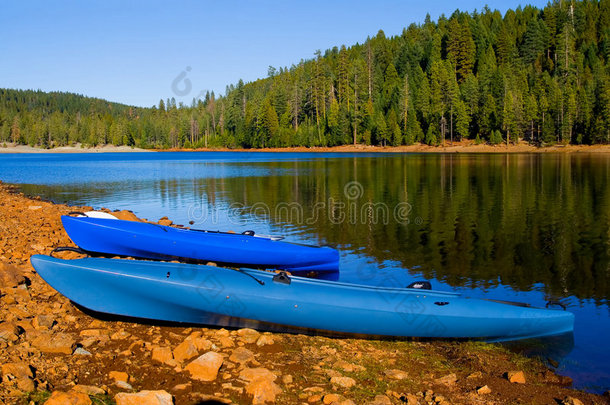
x=536, y=75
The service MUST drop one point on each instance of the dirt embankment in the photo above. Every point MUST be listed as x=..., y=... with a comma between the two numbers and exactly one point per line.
x=50, y=348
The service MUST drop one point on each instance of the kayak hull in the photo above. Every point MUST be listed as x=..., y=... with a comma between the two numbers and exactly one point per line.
x=198, y=294
x=151, y=241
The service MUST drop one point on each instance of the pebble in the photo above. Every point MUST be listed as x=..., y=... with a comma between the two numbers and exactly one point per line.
x=119, y=376
x=449, y=379
x=345, y=382
x=571, y=401
x=516, y=377
x=248, y=335
x=330, y=398
x=265, y=340
x=144, y=398
x=79, y=351
x=88, y=389
x=241, y=355
x=483, y=390
x=380, y=400
x=123, y=385
x=68, y=398
x=395, y=374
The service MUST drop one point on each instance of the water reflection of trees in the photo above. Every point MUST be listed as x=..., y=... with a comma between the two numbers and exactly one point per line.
x=514, y=219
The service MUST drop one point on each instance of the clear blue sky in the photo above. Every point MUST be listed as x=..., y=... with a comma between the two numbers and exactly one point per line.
x=131, y=51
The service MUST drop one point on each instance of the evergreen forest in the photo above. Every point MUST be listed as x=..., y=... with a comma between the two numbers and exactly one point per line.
x=535, y=75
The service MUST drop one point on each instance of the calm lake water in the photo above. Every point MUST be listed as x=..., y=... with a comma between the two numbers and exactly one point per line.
x=527, y=227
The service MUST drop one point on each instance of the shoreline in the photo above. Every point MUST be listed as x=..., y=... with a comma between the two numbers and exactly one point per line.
x=49, y=345
x=456, y=147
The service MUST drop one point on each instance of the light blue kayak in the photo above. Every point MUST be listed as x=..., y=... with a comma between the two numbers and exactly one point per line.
x=198, y=294
x=151, y=241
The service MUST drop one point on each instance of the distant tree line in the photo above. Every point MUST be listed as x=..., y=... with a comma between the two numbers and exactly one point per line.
x=537, y=75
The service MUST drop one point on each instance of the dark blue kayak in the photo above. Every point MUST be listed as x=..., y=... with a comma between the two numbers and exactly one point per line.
x=199, y=294
x=151, y=241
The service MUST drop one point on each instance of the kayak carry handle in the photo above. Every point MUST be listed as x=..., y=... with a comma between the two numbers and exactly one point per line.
x=81, y=214
x=68, y=249
x=282, y=278
x=248, y=233
x=420, y=285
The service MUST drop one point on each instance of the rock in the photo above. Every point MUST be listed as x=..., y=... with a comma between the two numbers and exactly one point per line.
x=205, y=367
x=120, y=335
x=54, y=343
x=185, y=351
x=181, y=387
x=449, y=379
x=410, y=399
x=516, y=377
x=222, y=332
x=287, y=379
x=91, y=332
x=10, y=275
x=88, y=389
x=68, y=398
x=34, y=207
x=313, y=389
x=43, y=322
x=476, y=374
x=248, y=335
x=202, y=344
x=17, y=370
x=345, y=382
x=79, y=351
x=571, y=401
x=349, y=367
x=260, y=385
x=119, y=376
x=26, y=385
x=380, y=400
x=241, y=355
x=144, y=398
x=483, y=390
x=251, y=374
x=165, y=221
x=163, y=355
x=124, y=385
x=9, y=332
x=265, y=340
x=126, y=215
x=263, y=391
x=395, y=374
x=226, y=341
x=314, y=398
x=565, y=380
x=20, y=374
x=330, y=398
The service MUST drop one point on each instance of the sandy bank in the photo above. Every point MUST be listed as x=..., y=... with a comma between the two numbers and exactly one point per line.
x=11, y=148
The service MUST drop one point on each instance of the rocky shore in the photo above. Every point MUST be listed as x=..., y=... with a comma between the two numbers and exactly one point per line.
x=52, y=352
